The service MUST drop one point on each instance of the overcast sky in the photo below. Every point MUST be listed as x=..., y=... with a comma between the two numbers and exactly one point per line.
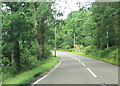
x=66, y=6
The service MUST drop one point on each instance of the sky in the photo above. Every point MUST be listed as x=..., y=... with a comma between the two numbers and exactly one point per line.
x=67, y=6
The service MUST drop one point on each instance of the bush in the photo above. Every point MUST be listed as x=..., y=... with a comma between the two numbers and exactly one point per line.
x=7, y=69
x=104, y=52
x=67, y=47
x=71, y=50
x=28, y=62
x=81, y=47
x=108, y=53
x=62, y=45
x=100, y=53
x=28, y=58
x=95, y=51
x=87, y=49
x=114, y=55
x=47, y=51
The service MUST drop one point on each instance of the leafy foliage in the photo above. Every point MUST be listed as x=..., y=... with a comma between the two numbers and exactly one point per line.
x=96, y=30
x=25, y=36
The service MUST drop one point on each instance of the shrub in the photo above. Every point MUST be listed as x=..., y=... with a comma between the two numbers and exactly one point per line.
x=81, y=47
x=47, y=51
x=28, y=62
x=114, y=55
x=62, y=45
x=87, y=49
x=95, y=51
x=67, y=47
x=108, y=53
x=71, y=50
x=7, y=69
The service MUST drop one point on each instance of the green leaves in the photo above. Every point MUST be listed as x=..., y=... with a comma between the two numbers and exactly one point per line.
x=92, y=25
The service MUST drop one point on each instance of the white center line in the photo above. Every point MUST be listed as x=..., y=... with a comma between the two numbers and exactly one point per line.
x=79, y=61
x=83, y=64
x=76, y=58
x=91, y=72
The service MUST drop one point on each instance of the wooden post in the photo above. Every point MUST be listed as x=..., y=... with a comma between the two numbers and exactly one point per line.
x=74, y=37
x=55, y=37
x=107, y=41
x=74, y=40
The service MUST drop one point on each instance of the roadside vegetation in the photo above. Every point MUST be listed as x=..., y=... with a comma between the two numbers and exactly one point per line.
x=92, y=32
x=28, y=76
x=108, y=55
x=27, y=29
x=28, y=36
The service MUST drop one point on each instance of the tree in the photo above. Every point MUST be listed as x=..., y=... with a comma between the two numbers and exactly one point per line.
x=41, y=15
x=14, y=28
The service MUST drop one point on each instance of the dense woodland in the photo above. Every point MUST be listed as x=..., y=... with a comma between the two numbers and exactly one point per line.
x=26, y=29
x=95, y=29
x=28, y=33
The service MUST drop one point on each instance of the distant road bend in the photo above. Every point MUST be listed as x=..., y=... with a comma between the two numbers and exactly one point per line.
x=76, y=69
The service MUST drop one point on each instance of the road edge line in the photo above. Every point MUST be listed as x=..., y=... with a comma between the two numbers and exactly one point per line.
x=46, y=74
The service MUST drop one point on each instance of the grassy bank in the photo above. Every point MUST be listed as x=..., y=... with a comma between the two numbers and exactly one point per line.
x=28, y=76
x=64, y=50
x=91, y=55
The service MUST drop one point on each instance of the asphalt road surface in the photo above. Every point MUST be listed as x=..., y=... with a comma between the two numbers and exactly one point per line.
x=76, y=69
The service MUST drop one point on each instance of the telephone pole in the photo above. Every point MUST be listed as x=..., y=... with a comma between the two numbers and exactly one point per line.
x=55, y=35
x=74, y=36
x=74, y=40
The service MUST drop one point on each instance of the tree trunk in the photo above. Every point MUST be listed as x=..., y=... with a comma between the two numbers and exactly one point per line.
x=12, y=57
x=15, y=54
x=41, y=54
x=118, y=40
x=40, y=41
x=39, y=44
x=107, y=40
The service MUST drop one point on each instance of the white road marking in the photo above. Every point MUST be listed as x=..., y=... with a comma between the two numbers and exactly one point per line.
x=91, y=72
x=76, y=58
x=83, y=64
x=79, y=61
x=87, y=68
x=46, y=74
x=39, y=80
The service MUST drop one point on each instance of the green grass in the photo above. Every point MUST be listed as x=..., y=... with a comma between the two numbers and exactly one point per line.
x=103, y=59
x=92, y=56
x=64, y=50
x=28, y=76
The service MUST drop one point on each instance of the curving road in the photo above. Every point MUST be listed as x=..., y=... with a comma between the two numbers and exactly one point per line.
x=76, y=69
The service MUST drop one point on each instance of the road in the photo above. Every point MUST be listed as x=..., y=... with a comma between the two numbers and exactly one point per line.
x=76, y=69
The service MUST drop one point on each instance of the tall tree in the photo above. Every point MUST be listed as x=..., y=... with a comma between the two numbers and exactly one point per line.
x=42, y=15
x=14, y=27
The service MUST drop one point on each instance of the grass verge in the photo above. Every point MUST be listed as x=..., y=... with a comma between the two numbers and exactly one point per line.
x=91, y=56
x=28, y=76
x=64, y=50
x=103, y=59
